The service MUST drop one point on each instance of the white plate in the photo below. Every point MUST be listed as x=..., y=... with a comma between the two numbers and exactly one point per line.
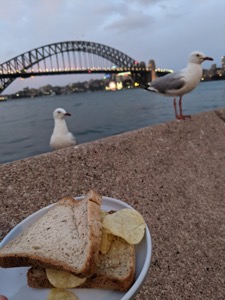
x=13, y=282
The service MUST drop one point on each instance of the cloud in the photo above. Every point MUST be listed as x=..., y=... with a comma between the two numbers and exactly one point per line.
x=122, y=17
x=145, y=3
x=132, y=22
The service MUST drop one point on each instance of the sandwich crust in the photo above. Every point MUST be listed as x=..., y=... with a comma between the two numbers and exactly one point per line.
x=66, y=238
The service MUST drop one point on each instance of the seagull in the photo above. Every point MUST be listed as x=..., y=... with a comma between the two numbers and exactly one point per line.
x=180, y=83
x=61, y=137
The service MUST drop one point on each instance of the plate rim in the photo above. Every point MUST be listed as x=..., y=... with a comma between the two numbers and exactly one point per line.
x=134, y=289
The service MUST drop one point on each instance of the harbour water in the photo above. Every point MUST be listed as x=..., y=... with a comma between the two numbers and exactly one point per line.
x=26, y=124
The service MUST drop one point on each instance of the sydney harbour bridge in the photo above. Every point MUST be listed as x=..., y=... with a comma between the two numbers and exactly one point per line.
x=74, y=57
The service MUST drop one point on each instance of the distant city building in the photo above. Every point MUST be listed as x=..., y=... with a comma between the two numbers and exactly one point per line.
x=213, y=67
x=223, y=62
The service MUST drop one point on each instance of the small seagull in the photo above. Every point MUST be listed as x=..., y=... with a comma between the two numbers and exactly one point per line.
x=180, y=83
x=61, y=137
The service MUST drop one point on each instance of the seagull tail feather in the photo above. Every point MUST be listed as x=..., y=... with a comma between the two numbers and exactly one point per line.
x=147, y=87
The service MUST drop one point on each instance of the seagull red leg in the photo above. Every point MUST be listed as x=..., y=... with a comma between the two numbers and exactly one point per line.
x=181, y=116
x=175, y=108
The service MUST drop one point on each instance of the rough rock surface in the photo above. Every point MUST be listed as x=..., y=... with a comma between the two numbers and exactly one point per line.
x=172, y=173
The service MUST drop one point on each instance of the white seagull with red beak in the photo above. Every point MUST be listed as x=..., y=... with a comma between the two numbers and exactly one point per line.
x=61, y=137
x=180, y=83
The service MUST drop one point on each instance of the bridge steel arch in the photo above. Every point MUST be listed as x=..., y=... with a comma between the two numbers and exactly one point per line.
x=27, y=60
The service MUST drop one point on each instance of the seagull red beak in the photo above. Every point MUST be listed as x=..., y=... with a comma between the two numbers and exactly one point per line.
x=67, y=114
x=208, y=58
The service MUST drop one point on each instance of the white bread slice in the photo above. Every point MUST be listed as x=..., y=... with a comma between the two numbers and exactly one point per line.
x=115, y=270
x=66, y=238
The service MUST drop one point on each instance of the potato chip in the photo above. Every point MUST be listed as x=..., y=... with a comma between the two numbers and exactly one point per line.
x=126, y=223
x=63, y=280
x=103, y=214
x=106, y=241
x=61, y=294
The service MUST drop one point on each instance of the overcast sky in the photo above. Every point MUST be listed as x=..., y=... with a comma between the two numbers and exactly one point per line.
x=163, y=30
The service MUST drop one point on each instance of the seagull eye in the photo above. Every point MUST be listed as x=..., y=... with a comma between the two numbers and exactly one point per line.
x=198, y=55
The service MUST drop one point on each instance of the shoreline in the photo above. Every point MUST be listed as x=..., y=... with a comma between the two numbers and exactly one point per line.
x=13, y=97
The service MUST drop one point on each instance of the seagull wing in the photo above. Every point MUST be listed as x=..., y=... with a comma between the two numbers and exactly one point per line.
x=169, y=82
x=72, y=138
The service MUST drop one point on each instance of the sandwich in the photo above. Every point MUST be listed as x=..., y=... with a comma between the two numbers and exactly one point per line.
x=68, y=238
x=114, y=270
